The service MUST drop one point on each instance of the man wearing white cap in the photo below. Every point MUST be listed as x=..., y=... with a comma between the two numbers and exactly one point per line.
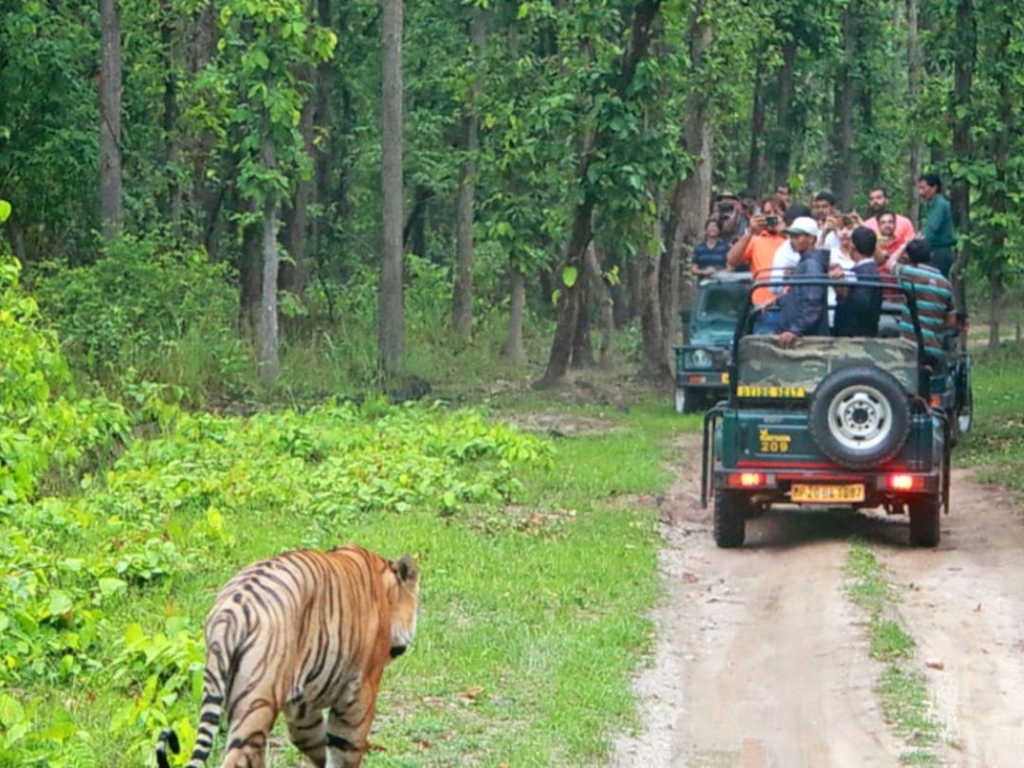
x=804, y=307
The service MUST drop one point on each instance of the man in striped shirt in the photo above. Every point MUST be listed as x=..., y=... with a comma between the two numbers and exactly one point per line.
x=936, y=308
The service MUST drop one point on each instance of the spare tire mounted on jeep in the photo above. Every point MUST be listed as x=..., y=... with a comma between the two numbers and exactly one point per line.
x=859, y=416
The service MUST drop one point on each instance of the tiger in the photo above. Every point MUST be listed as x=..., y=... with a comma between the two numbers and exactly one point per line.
x=298, y=634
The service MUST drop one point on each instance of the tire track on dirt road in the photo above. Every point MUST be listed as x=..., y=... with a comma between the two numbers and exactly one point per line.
x=762, y=661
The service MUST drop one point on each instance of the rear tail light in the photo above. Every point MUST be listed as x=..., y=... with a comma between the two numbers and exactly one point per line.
x=905, y=482
x=751, y=480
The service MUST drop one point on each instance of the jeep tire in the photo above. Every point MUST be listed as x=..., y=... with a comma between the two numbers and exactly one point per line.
x=689, y=400
x=924, y=522
x=730, y=519
x=859, y=417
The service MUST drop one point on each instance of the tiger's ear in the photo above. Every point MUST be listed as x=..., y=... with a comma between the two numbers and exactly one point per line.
x=406, y=570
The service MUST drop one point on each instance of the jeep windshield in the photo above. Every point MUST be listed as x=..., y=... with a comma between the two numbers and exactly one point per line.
x=722, y=300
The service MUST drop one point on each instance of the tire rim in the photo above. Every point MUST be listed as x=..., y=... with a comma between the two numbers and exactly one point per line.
x=680, y=401
x=964, y=421
x=860, y=418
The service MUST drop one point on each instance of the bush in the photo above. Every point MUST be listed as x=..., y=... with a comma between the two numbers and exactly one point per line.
x=46, y=429
x=166, y=315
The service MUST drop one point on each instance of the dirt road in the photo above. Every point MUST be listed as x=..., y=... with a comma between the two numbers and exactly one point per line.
x=762, y=661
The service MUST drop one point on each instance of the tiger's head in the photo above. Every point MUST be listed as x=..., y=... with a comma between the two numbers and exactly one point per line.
x=403, y=597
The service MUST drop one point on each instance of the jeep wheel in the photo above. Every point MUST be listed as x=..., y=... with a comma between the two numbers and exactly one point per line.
x=730, y=519
x=688, y=401
x=859, y=417
x=965, y=416
x=924, y=522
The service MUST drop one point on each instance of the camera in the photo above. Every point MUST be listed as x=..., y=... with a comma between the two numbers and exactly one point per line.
x=771, y=221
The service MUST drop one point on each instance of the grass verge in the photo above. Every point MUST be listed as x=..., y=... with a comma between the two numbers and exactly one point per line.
x=996, y=442
x=902, y=689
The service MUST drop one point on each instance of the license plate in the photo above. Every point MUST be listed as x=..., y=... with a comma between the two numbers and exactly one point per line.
x=725, y=378
x=839, y=493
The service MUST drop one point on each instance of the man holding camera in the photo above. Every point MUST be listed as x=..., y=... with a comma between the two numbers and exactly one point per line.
x=757, y=247
x=732, y=223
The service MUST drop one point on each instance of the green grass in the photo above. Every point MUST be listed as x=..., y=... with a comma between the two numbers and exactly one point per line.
x=996, y=442
x=902, y=689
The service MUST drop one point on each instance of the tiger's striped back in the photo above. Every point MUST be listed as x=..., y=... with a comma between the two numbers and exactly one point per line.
x=299, y=633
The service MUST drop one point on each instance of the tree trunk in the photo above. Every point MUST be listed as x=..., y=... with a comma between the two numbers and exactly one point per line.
x=845, y=91
x=651, y=331
x=268, y=336
x=600, y=289
x=172, y=142
x=782, y=150
x=569, y=305
x=462, y=294
x=996, y=291
x=755, y=165
x=250, y=279
x=692, y=199
x=414, y=234
x=669, y=301
x=391, y=310
x=111, y=199
x=204, y=196
x=914, y=70
x=582, y=350
x=295, y=270
x=1002, y=159
x=963, y=78
x=514, y=347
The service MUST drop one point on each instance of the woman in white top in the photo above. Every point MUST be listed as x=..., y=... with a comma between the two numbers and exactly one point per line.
x=842, y=256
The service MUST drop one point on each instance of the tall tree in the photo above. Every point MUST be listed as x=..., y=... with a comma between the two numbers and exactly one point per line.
x=915, y=69
x=462, y=294
x=596, y=141
x=391, y=306
x=111, y=196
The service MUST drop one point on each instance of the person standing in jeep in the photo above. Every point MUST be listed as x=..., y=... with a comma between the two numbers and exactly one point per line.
x=804, y=306
x=757, y=248
x=858, y=307
x=938, y=230
x=936, y=308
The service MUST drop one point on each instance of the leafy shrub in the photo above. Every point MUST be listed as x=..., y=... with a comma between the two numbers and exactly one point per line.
x=44, y=426
x=167, y=315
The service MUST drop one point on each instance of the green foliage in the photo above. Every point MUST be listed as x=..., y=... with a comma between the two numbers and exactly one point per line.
x=145, y=312
x=45, y=428
x=200, y=489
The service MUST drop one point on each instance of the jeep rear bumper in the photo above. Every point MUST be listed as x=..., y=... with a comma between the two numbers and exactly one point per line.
x=827, y=487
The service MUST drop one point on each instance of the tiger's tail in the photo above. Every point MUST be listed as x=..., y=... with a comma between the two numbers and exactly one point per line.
x=209, y=721
x=168, y=740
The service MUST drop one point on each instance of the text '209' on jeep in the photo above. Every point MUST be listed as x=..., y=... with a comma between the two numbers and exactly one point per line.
x=831, y=422
x=702, y=364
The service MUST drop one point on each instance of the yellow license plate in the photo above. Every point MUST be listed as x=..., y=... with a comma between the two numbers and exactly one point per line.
x=826, y=493
x=725, y=378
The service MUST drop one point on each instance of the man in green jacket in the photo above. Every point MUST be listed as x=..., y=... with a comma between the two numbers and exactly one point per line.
x=938, y=229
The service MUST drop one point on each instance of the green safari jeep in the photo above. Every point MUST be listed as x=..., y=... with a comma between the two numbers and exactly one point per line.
x=852, y=423
x=702, y=365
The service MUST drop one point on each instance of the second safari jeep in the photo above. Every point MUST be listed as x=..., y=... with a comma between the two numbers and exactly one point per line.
x=702, y=365
x=830, y=422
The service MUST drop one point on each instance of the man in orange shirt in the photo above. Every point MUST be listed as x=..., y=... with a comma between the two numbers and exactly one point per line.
x=757, y=248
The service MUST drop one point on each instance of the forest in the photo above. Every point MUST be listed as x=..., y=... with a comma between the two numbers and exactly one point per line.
x=234, y=234
x=265, y=184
